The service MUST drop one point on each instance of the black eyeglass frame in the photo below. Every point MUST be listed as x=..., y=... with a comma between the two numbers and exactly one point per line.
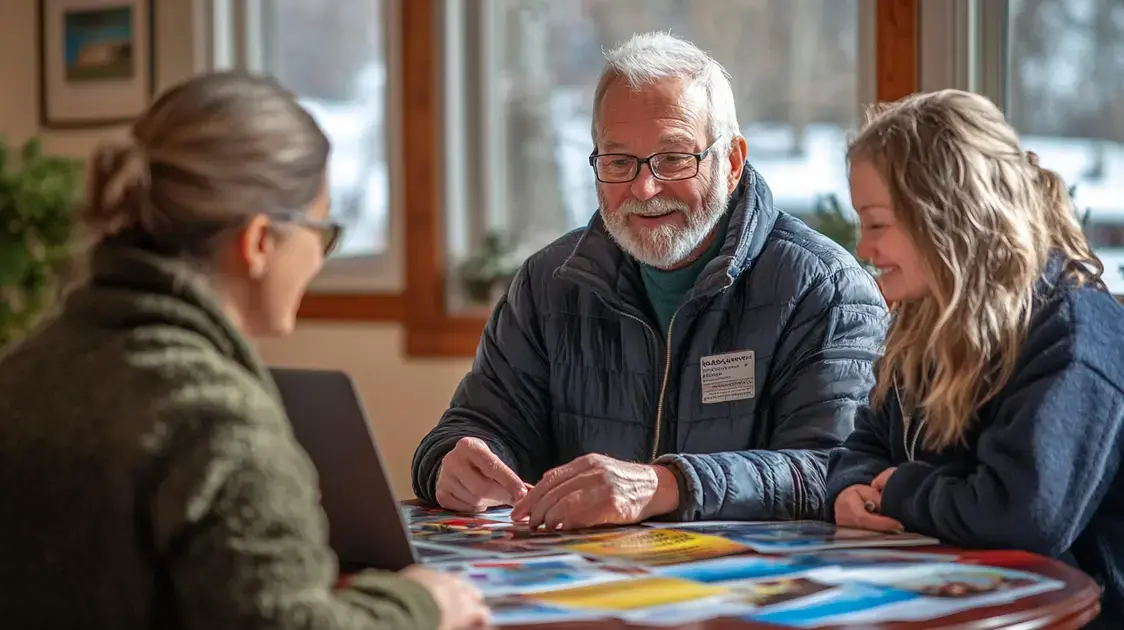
x=639, y=161
x=330, y=231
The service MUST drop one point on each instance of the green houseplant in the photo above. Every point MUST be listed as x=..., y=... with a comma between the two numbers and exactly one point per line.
x=38, y=196
x=493, y=265
x=833, y=222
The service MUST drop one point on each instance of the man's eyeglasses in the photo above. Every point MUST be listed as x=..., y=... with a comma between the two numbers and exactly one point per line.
x=620, y=168
x=330, y=231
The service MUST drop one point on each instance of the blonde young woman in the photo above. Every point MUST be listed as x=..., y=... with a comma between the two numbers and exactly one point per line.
x=996, y=419
x=148, y=475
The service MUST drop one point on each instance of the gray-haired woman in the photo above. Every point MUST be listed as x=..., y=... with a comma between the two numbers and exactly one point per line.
x=148, y=474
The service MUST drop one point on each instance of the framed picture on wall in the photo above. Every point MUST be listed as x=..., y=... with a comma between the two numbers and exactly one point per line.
x=96, y=61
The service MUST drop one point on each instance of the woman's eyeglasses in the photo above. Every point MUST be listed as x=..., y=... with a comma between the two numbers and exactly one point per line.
x=330, y=231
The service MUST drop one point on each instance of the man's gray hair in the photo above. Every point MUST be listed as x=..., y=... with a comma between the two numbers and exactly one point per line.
x=648, y=58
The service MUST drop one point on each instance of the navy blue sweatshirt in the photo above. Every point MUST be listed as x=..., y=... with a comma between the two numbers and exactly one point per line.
x=1041, y=467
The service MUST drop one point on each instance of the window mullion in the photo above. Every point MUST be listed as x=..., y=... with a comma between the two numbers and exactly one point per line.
x=949, y=45
x=992, y=61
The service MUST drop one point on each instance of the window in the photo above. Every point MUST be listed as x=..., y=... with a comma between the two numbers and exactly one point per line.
x=1064, y=72
x=334, y=57
x=521, y=89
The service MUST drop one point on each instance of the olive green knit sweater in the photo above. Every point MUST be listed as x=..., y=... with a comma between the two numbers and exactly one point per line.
x=149, y=477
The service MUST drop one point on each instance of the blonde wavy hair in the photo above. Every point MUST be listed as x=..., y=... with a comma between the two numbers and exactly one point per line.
x=984, y=218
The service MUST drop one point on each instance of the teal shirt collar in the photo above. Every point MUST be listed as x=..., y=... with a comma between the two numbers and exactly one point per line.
x=666, y=288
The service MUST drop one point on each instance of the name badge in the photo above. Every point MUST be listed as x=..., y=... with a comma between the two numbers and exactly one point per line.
x=727, y=377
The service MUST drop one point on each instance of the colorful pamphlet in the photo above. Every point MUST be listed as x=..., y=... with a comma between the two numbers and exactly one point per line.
x=907, y=593
x=658, y=546
x=800, y=536
x=534, y=575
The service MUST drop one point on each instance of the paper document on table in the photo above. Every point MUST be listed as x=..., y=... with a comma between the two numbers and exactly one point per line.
x=908, y=593
x=532, y=575
x=797, y=536
x=658, y=546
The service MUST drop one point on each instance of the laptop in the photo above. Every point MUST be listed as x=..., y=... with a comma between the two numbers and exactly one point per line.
x=366, y=527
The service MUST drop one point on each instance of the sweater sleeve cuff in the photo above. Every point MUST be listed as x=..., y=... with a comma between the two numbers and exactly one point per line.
x=837, y=484
x=413, y=600
x=900, y=489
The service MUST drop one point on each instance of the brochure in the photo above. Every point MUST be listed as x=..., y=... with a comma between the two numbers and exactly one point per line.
x=619, y=597
x=799, y=536
x=860, y=603
x=734, y=569
x=432, y=553
x=737, y=601
x=467, y=527
x=868, y=557
x=412, y=513
x=531, y=575
x=947, y=580
x=520, y=610
x=505, y=539
x=908, y=593
x=658, y=546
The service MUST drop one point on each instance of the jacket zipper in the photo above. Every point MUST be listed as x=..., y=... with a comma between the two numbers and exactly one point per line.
x=666, y=370
x=663, y=387
x=910, y=446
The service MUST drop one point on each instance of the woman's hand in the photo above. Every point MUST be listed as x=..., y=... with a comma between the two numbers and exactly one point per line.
x=879, y=483
x=857, y=506
x=461, y=604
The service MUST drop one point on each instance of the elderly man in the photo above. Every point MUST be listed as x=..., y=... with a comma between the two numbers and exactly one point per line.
x=693, y=353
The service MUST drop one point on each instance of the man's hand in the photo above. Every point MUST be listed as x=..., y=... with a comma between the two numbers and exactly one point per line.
x=473, y=479
x=598, y=490
x=858, y=506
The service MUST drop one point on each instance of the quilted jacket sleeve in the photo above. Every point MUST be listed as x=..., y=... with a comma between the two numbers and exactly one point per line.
x=504, y=400
x=823, y=375
x=237, y=527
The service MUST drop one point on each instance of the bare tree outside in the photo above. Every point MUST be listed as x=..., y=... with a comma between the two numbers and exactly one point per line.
x=1065, y=95
x=332, y=55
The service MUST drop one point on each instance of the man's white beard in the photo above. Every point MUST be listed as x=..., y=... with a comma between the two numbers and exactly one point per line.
x=668, y=245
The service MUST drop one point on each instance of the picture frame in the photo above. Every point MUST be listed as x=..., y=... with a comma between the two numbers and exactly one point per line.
x=97, y=64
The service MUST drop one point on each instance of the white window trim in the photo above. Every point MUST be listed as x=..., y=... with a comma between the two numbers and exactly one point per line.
x=968, y=39
x=992, y=60
x=963, y=46
x=474, y=193
x=238, y=40
x=949, y=44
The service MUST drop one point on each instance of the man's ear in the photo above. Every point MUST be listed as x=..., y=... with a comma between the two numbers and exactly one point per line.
x=737, y=158
x=255, y=245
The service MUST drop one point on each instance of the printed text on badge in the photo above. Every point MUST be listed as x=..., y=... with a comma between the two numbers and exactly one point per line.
x=727, y=377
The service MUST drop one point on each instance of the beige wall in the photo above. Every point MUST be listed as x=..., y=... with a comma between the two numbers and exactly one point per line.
x=176, y=53
x=404, y=397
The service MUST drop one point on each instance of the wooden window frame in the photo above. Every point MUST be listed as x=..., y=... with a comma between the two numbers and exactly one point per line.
x=431, y=331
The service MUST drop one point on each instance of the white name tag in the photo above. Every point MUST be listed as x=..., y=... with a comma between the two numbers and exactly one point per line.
x=727, y=377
